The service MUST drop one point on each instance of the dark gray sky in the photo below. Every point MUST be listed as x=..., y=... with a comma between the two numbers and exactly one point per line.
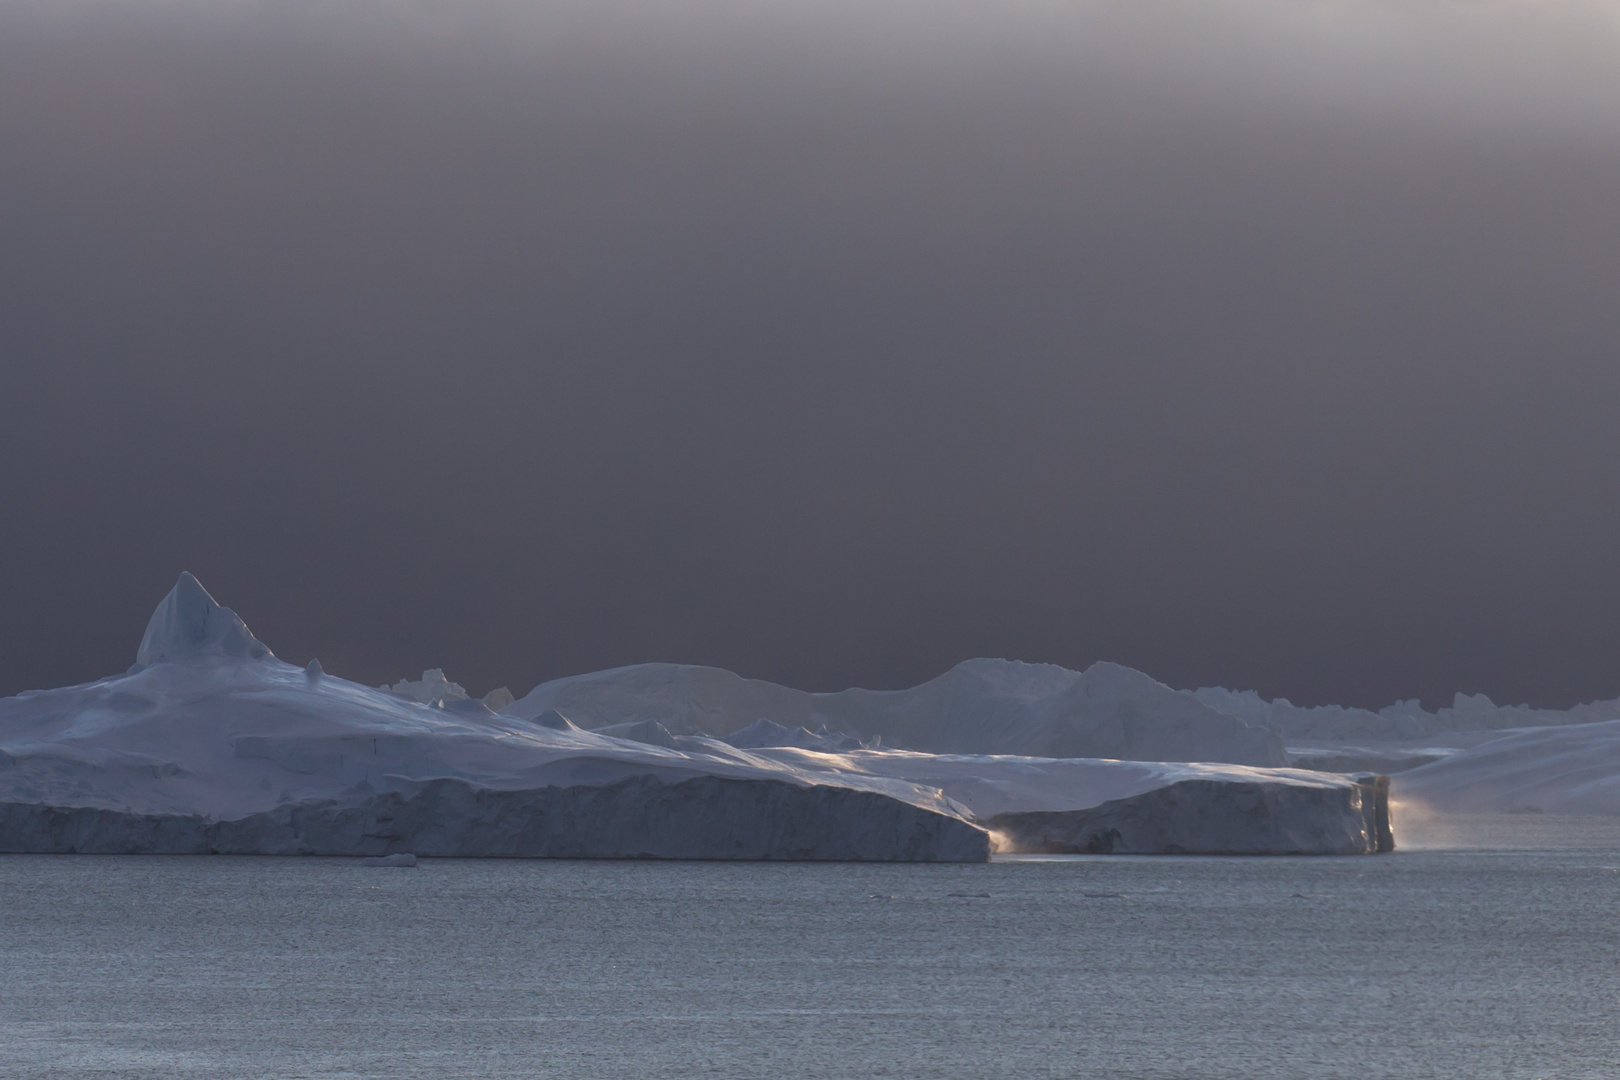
x=1274, y=345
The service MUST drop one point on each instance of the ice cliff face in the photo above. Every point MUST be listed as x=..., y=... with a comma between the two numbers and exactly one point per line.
x=641, y=817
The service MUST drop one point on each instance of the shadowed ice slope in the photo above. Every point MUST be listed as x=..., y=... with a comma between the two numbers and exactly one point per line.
x=1573, y=769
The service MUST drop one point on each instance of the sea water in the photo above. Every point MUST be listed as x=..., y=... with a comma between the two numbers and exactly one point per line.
x=1451, y=958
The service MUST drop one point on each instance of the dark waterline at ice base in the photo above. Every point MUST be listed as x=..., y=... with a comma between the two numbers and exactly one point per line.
x=1453, y=962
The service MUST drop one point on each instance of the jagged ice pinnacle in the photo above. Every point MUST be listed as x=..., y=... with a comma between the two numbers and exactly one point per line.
x=189, y=622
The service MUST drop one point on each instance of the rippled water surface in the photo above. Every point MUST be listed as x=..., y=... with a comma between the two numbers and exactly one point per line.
x=1449, y=962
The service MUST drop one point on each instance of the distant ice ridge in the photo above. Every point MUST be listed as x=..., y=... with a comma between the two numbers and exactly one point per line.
x=1403, y=721
x=217, y=745
x=978, y=707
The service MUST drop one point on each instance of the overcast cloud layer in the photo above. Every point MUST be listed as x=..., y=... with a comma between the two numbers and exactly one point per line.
x=1274, y=345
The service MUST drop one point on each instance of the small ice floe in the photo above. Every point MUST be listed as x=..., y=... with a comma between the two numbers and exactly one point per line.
x=402, y=859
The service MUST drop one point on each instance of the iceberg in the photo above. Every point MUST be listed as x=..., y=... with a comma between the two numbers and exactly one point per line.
x=212, y=744
x=1213, y=817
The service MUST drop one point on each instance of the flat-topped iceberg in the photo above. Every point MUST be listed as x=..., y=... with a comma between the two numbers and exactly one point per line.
x=1213, y=816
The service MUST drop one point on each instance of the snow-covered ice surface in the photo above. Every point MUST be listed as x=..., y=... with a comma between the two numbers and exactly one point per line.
x=1572, y=769
x=211, y=743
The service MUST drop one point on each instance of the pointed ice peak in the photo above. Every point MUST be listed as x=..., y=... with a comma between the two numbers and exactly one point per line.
x=188, y=622
x=498, y=699
x=313, y=670
x=555, y=720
